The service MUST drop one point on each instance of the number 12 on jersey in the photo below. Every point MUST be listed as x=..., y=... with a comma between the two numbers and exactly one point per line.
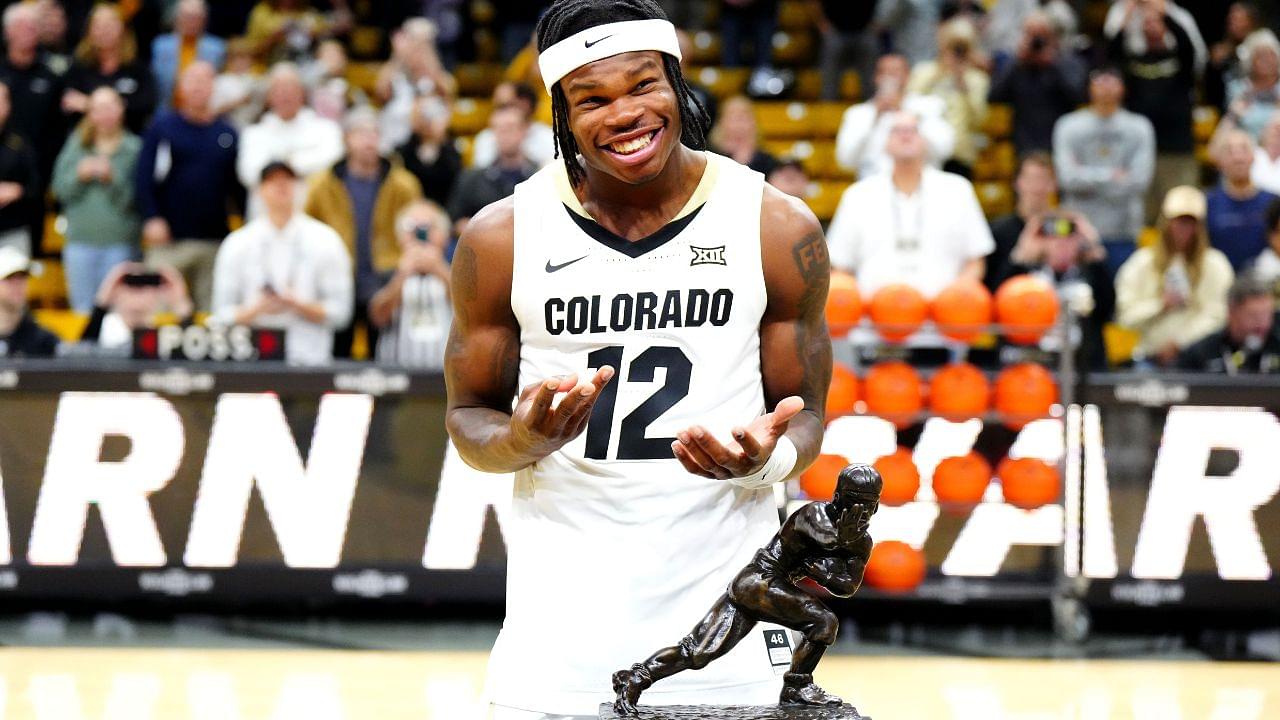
x=633, y=444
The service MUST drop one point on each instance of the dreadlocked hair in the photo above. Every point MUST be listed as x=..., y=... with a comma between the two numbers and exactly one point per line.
x=568, y=17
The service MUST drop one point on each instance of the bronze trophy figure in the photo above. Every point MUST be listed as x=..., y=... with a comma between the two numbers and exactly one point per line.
x=826, y=542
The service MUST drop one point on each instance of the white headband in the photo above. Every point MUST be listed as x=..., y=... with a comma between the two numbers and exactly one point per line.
x=602, y=41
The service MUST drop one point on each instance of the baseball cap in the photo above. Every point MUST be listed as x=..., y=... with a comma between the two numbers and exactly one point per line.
x=274, y=167
x=1184, y=200
x=14, y=261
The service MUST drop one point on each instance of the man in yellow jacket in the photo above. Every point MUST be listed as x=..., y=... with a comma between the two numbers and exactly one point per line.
x=360, y=198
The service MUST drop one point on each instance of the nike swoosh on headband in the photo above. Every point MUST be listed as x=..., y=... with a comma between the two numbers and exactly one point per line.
x=595, y=42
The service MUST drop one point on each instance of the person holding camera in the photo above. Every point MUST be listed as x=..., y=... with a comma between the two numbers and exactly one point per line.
x=958, y=80
x=413, y=311
x=863, y=138
x=1105, y=157
x=1042, y=84
x=1065, y=248
x=129, y=298
x=1175, y=291
x=1254, y=98
x=1160, y=80
x=285, y=271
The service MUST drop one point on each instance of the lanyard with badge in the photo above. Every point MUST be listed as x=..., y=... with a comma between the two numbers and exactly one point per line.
x=906, y=237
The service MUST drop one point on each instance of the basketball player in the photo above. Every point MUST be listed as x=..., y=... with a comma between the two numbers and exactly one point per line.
x=656, y=313
x=826, y=542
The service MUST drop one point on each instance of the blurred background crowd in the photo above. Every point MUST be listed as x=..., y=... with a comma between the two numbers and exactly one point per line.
x=309, y=166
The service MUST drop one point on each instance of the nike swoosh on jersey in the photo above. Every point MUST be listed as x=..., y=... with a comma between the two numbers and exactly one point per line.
x=595, y=42
x=554, y=268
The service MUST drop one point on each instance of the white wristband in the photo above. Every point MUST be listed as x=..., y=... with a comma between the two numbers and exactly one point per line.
x=776, y=469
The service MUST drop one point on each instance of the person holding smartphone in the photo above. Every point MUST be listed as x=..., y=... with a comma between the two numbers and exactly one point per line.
x=413, y=310
x=1174, y=292
x=130, y=298
x=1063, y=247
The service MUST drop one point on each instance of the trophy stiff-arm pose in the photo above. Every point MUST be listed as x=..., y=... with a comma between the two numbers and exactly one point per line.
x=826, y=542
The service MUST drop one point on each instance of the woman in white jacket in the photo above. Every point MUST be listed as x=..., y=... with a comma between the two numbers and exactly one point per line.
x=1175, y=291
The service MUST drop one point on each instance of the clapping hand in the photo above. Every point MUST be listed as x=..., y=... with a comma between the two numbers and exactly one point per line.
x=540, y=428
x=702, y=454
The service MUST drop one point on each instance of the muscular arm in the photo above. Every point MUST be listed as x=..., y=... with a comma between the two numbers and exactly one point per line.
x=795, y=348
x=482, y=361
x=482, y=358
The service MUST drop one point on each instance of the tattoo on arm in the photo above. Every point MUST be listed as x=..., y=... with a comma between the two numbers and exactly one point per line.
x=813, y=345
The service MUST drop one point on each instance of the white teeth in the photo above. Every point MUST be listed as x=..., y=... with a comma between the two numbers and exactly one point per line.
x=630, y=146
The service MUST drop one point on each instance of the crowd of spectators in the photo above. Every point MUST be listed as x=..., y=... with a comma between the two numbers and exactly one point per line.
x=220, y=162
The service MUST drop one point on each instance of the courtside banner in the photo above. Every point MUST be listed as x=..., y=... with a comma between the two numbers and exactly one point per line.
x=1179, y=481
x=221, y=484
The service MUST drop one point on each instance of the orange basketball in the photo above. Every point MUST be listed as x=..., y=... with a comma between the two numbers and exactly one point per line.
x=898, y=310
x=844, y=304
x=819, y=481
x=962, y=309
x=843, y=393
x=1026, y=307
x=900, y=475
x=895, y=566
x=959, y=482
x=959, y=391
x=894, y=392
x=1024, y=392
x=1028, y=483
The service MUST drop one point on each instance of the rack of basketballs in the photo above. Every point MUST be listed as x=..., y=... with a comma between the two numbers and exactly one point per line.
x=1022, y=311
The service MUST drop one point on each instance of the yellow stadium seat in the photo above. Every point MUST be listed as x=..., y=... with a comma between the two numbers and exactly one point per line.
x=723, y=82
x=999, y=122
x=1120, y=343
x=470, y=116
x=809, y=85
x=49, y=288
x=817, y=156
x=1204, y=121
x=793, y=48
x=784, y=119
x=68, y=325
x=55, y=229
x=366, y=40
x=363, y=75
x=466, y=147
x=794, y=15
x=996, y=162
x=827, y=117
x=996, y=198
x=1203, y=157
x=824, y=196
x=478, y=79
x=1148, y=236
x=706, y=48
x=360, y=343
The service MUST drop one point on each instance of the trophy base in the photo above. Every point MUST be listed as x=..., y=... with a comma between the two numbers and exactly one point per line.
x=738, y=712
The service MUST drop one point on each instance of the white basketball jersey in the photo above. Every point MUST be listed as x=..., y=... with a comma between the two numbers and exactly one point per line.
x=614, y=550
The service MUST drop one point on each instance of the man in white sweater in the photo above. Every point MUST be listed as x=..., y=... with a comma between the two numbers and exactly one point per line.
x=285, y=271
x=290, y=132
x=914, y=224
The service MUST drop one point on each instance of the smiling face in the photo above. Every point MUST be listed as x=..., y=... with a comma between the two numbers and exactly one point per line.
x=624, y=115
